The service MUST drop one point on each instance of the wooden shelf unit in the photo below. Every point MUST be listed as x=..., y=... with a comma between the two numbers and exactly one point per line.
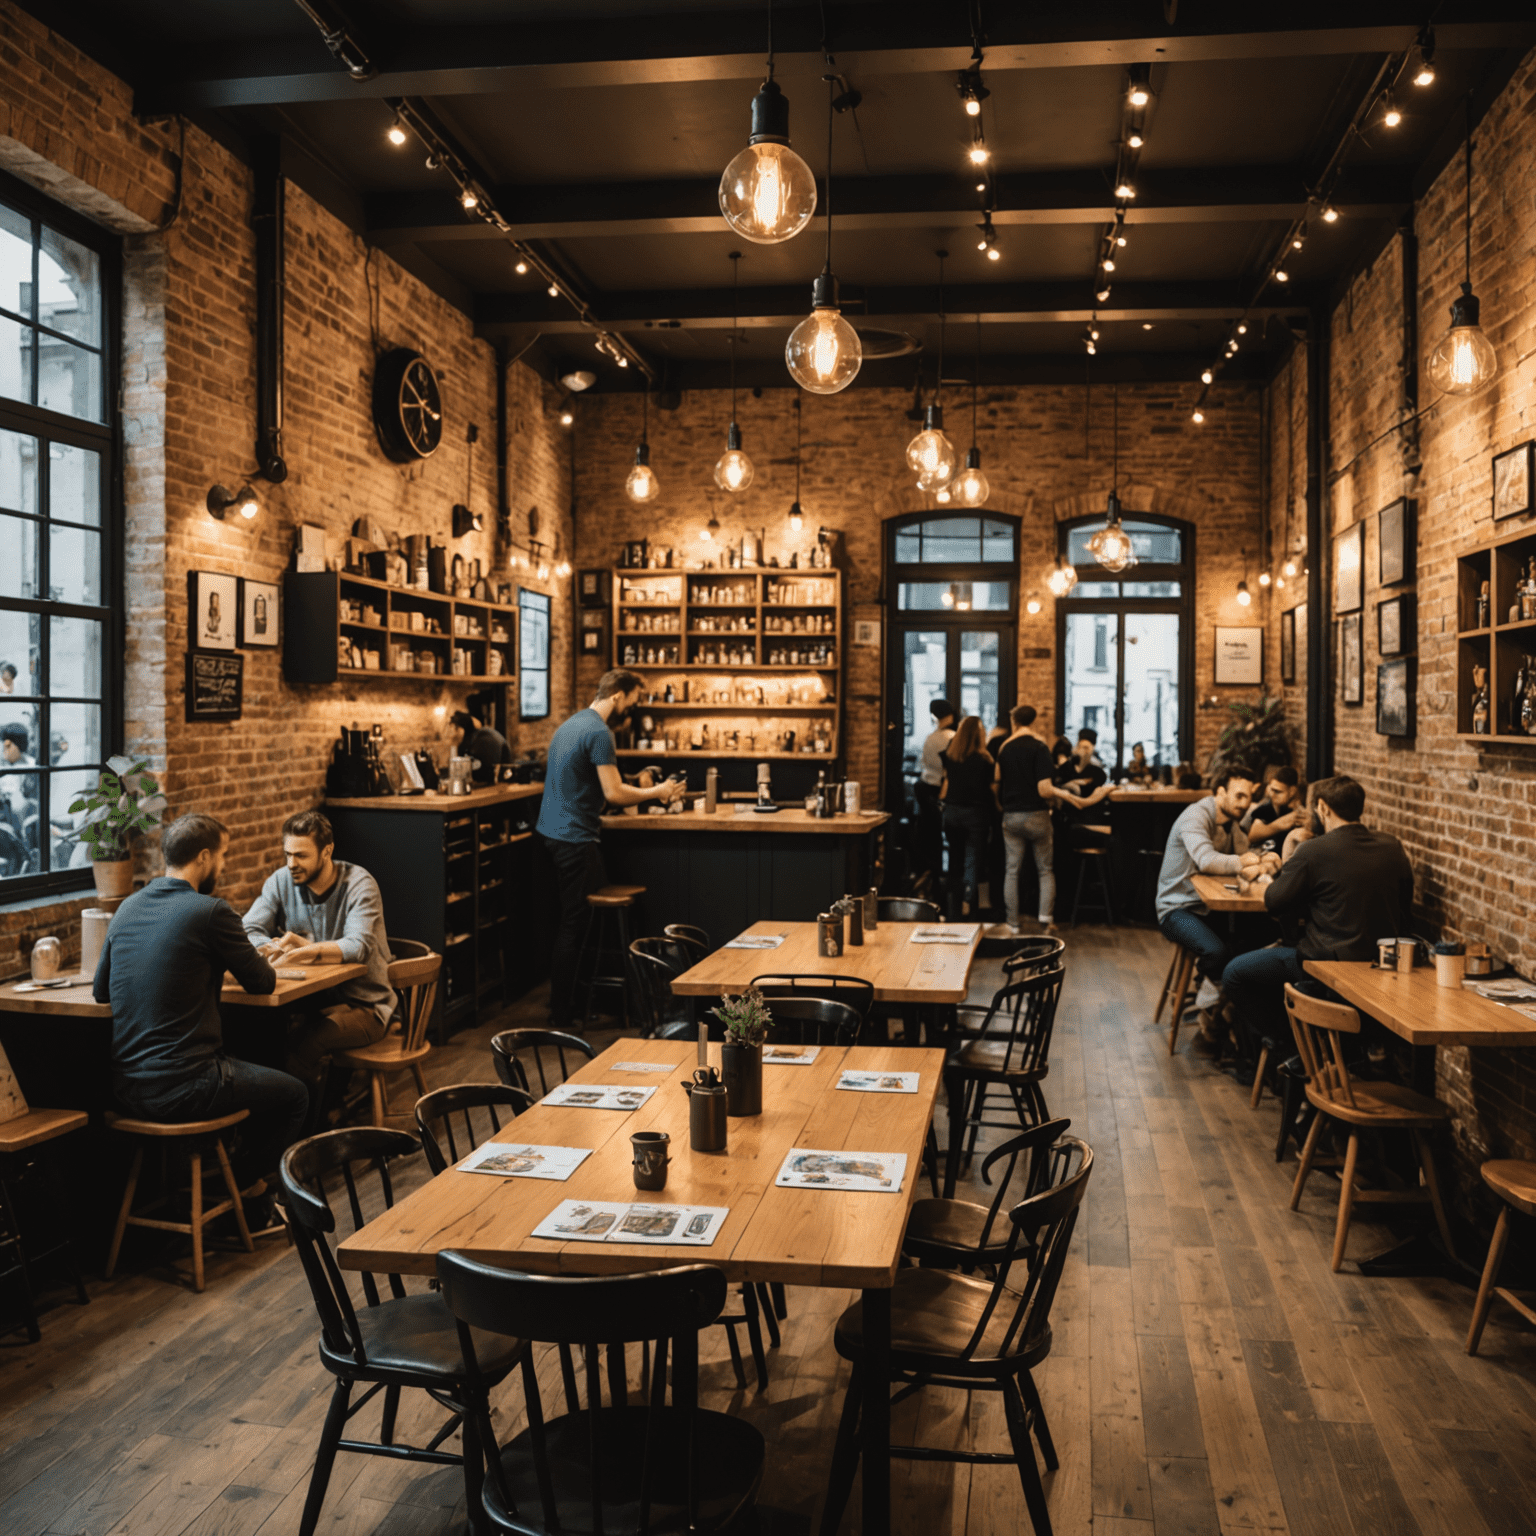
x=313, y=628
x=1502, y=643
x=697, y=607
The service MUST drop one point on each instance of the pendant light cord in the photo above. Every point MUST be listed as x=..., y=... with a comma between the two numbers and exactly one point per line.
x=798, y=420
x=976, y=379
x=645, y=413
x=770, y=39
x=1114, y=474
x=831, y=86
x=938, y=383
x=735, y=323
x=1467, y=118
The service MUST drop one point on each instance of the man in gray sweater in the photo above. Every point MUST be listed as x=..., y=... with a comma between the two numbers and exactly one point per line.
x=318, y=910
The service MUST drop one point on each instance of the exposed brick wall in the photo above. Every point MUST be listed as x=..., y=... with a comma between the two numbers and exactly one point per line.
x=855, y=478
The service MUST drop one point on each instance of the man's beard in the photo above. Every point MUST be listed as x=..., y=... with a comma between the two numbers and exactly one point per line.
x=206, y=888
x=618, y=720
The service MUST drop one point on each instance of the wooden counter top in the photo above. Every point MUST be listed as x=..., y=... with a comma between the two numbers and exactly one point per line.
x=494, y=794
x=726, y=820
x=1415, y=1006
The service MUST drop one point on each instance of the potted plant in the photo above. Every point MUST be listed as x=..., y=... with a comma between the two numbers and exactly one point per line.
x=747, y=1022
x=125, y=801
x=1258, y=737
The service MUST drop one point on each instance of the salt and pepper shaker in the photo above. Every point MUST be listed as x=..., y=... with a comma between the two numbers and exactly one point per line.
x=871, y=910
x=853, y=908
x=703, y=1043
x=829, y=935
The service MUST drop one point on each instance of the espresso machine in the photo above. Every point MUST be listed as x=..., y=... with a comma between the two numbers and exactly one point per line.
x=356, y=770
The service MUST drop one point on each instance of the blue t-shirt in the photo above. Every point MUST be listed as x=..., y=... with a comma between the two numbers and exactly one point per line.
x=573, y=797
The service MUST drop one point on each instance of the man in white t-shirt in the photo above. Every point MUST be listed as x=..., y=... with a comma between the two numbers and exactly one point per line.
x=930, y=778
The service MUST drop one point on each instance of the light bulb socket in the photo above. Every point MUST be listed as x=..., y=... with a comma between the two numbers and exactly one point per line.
x=1112, y=509
x=824, y=292
x=933, y=419
x=973, y=458
x=733, y=438
x=1466, y=312
x=795, y=514
x=642, y=452
x=770, y=115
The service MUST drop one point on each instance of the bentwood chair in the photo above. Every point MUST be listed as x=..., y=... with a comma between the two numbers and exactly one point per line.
x=392, y=1342
x=974, y=1335
x=1374, y=1106
x=405, y=1046
x=435, y=1112
x=653, y=1466
x=514, y=1049
x=812, y=1021
x=654, y=963
x=690, y=933
x=852, y=991
x=1513, y=1180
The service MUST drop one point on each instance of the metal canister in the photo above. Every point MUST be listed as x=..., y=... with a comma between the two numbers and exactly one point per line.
x=829, y=935
x=871, y=910
x=854, y=907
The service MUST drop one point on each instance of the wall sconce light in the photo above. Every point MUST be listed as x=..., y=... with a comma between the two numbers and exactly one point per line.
x=221, y=501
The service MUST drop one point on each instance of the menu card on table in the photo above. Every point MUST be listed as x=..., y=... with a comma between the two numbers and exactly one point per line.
x=595, y=1096
x=512, y=1161
x=879, y=1082
x=756, y=941
x=598, y=1221
x=641, y=1066
x=791, y=1055
x=955, y=933
x=810, y=1168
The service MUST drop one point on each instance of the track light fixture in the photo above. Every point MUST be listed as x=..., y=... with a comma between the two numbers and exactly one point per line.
x=396, y=133
x=1139, y=91
x=521, y=269
x=972, y=91
x=988, y=241
x=1425, y=74
x=1391, y=116
x=1125, y=191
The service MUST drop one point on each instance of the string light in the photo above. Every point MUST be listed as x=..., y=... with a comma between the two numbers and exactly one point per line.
x=972, y=91
x=979, y=154
x=1391, y=116
x=1263, y=578
x=1135, y=140
x=1033, y=605
x=1207, y=377
x=1198, y=417
x=988, y=241
x=468, y=200
x=521, y=269
x=396, y=133
x=1125, y=191
x=1244, y=596
x=1426, y=71
x=1330, y=214
x=554, y=290
x=1281, y=275
x=1289, y=568
x=566, y=418
x=1139, y=92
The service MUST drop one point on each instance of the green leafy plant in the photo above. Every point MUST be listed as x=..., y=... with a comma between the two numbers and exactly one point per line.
x=745, y=1016
x=125, y=801
x=1257, y=736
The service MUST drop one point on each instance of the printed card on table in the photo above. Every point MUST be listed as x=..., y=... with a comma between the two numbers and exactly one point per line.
x=596, y=1096
x=756, y=941
x=595, y=1221
x=641, y=1066
x=791, y=1055
x=879, y=1082
x=512, y=1161
x=951, y=933
x=812, y=1168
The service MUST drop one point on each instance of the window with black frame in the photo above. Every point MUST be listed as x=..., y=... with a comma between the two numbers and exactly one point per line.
x=59, y=685
x=533, y=653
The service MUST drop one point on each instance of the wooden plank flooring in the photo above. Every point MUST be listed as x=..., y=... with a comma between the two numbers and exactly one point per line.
x=1208, y=1373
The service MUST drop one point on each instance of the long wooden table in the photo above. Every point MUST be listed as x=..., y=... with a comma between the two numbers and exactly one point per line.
x=902, y=972
x=833, y=1238
x=1215, y=893
x=1413, y=1005
x=76, y=1000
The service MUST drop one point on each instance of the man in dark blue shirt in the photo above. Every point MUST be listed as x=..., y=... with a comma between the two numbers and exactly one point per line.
x=583, y=775
x=161, y=970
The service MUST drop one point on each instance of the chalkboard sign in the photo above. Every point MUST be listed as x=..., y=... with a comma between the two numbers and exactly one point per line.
x=213, y=686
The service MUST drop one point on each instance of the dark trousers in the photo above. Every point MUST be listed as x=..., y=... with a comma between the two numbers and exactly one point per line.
x=928, y=854
x=1256, y=984
x=965, y=830
x=578, y=872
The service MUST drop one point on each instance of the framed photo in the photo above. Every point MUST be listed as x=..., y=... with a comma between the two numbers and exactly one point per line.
x=1514, y=481
x=1395, y=542
x=215, y=687
x=1240, y=655
x=1351, y=661
x=866, y=632
x=213, y=606
x=1394, y=698
x=635, y=553
x=1288, y=646
x=594, y=589
x=1348, y=569
x=258, y=613
x=593, y=642
x=1395, y=632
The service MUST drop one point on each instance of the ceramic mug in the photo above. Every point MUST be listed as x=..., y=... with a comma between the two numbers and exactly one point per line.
x=46, y=955
x=651, y=1159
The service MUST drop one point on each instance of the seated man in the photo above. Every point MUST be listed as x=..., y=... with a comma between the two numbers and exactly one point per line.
x=1275, y=812
x=1346, y=888
x=1207, y=839
x=161, y=969
x=318, y=911
x=486, y=749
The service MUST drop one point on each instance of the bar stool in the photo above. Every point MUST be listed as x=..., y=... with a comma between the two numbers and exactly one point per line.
x=1178, y=986
x=1095, y=856
x=193, y=1138
x=1513, y=1180
x=33, y=1128
x=607, y=902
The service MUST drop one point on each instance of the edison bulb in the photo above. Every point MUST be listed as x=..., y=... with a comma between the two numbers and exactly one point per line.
x=642, y=484
x=1244, y=596
x=823, y=352
x=734, y=472
x=930, y=455
x=1061, y=580
x=396, y=135
x=767, y=194
x=1464, y=360
x=943, y=496
x=970, y=487
x=1032, y=606
x=247, y=505
x=796, y=518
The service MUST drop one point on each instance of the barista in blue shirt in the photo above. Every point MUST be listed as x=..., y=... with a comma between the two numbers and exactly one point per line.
x=583, y=776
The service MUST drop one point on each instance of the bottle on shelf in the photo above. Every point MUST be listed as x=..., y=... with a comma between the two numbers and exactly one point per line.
x=1479, y=700
x=711, y=790
x=1482, y=607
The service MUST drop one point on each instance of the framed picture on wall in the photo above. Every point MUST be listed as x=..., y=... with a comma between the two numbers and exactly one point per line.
x=258, y=614
x=1348, y=569
x=593, y=632
x=1395, y=632
x=1239, y=655
x=1514, y=481
x=1394, y=698
x=1394, y=539
x=213, y=604
x=1288, y=646
x=1351, y=660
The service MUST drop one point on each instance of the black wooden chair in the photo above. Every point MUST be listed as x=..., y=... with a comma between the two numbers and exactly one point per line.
x=512, y=1050
x=852, y=991
x=394, y=1342
x=654, y=1466
x=690, y=933
x=654, y=963
x=974, y=1335
x=435, y=1112
x=1033, y=954
x=1005, y=1055
x=812, y=1021
x=908, y=909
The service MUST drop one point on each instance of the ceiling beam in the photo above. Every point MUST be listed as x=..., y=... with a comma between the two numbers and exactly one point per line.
x=560, y=52
x=565, y=211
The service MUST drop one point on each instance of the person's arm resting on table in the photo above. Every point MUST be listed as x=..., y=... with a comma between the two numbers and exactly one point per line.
x=232, y=945
x=1196, y=838
x=1287, y=894
x=356, y=942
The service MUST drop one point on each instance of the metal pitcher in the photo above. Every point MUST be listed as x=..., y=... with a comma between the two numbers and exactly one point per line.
x=706, y=1111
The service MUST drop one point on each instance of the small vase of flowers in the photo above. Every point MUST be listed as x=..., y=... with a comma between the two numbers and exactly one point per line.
x=746, y=1020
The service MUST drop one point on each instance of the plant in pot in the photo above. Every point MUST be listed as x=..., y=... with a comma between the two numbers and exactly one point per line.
x=747, y=1021
x=125, y=802
x=1258, y=737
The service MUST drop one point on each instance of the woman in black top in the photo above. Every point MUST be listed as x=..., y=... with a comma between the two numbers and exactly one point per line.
x=968, y=804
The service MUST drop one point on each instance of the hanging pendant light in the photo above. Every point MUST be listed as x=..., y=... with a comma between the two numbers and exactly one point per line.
x=642, y=484
x=711, y=528
x=735, y=470
x=823, y=353
x=1111, y=545
x=1062, y=579
x=970, y=487
x=768, y=193
x=1464, y=362
x=796, y=516
x=930, y=455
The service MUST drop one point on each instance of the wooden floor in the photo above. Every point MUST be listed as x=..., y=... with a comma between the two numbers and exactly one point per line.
x=1208, y=1372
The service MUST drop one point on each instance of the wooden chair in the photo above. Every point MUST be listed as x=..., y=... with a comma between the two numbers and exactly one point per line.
x=19, y=1137
x=908, y=909
x=1179, y=986
x=608, y=901
x=852, y=991
x=691, y=934
x=1332, y=1092
x=510, y=1048
x=654, y=963
x=1513, y=1180
x=812, y=1021
x=194, y=1138
x=406, y=1045
x=435, y=1112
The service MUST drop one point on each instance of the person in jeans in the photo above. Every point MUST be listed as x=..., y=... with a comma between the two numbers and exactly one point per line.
x=319, y=910
x=161, y=969
x=1207, y=839
x=582, y=775
x=966, y=795
x=930, y=780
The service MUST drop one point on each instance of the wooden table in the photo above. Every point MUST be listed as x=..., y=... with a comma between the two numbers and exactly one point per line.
x=1215, y=891
x=1415, y=1007
x=902, y=972
x=76, y=1000
x=833, y=1238
x=1130, y=796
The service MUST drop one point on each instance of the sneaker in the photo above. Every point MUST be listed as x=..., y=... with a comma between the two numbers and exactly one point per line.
x=1003, y=931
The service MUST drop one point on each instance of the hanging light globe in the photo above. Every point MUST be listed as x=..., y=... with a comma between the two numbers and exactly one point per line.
x=1062, y=579
x=767, y=193
x=1464, y=362
x=734, y=472
x=970, y=487
x=930, y=455
x=824, y=352
x=1111, y=545
x=642, y=484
